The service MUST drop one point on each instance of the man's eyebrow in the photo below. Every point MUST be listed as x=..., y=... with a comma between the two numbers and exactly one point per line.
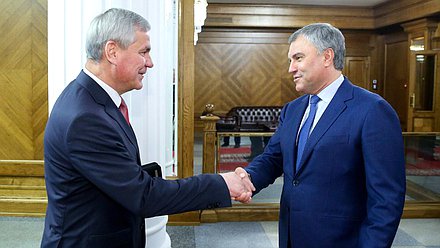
x=296, y=54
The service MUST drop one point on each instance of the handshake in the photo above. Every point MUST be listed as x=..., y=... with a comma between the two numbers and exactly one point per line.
x=239, y=185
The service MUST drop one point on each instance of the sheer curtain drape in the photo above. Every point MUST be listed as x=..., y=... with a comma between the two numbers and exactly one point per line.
x=151, y=109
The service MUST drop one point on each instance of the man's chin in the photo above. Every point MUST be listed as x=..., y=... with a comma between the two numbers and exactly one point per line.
x=139, y=86
x=299, y=88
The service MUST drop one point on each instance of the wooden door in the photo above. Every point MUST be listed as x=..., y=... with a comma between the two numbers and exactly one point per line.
x=424, y=92
x=397, y=79
x=357, y=69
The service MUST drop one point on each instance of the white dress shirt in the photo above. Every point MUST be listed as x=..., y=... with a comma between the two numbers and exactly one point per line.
x=326, y=96
x=110, y=91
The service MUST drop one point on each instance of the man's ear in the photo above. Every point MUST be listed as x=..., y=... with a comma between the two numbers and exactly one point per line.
x=110, y=51
x=329, y=55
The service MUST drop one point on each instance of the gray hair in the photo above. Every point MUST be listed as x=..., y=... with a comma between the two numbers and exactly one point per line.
x=118, y=25
x=323, y=36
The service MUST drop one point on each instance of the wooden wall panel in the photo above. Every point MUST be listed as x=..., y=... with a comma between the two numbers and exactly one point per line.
x=357, y=70
x=185, y=115
x=239, y=67
x=393, y=12
x=16, y=114
x=230, y=75
x=397, y=77
x=39, y=75
x=23, y=78
x=289, y=16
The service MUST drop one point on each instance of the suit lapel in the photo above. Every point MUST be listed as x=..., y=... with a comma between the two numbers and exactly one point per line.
x=119, y=118
x=102, y=98
x=294, y=120
x=330, y=115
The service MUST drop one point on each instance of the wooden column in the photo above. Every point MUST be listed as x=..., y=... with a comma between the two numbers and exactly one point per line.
x=185, y=105
x=209, y=139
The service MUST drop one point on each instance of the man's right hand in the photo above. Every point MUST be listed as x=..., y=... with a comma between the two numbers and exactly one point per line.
x=239, y=185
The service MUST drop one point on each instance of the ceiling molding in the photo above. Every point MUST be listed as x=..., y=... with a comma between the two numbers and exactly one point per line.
x=358, y=3
x=294, y=16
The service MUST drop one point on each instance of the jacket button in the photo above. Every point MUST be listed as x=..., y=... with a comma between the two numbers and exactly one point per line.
x=142, y=227
x=295, y=182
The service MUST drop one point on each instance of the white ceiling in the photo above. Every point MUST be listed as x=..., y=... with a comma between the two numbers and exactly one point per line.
x=363, y=3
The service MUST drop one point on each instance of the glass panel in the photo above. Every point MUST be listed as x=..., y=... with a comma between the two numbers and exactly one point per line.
x=422, y=155
x=237, y=150
x=417, y=44
x=424, y=85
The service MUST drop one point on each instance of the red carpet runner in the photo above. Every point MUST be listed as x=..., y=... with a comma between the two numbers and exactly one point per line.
x=231, y=158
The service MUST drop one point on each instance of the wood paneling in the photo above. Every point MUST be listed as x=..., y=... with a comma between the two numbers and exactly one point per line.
x=394, y=12
x=242, y=212
x=270, y=212
x=397, y=77
x=209, y=146
x=22, y=188
x=185, y=115
x=287, y=16
x=39, y=75
x=290, y=16
x=239, y=67
x=241, y=71
x=357, y=69
x=23, y=78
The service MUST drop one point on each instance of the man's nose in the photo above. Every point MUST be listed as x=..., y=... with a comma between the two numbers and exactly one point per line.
x=292, y=67
x=148, y=62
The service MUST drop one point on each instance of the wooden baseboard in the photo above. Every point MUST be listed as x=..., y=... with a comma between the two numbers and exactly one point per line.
x=184, y=219
x=24, y=207
x=270, y=212
x=22, y=188
x=421, y=210
x=239, y=212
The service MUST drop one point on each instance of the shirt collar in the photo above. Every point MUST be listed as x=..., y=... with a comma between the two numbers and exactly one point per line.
x=116, y=98
x=329, y=92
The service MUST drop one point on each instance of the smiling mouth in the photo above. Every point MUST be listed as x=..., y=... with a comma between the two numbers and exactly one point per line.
x=295, y=78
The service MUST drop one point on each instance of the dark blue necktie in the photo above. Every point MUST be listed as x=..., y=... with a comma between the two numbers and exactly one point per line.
x=305, y=130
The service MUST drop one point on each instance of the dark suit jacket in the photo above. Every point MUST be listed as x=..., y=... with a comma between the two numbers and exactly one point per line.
x=350, y=188
x=98, y=195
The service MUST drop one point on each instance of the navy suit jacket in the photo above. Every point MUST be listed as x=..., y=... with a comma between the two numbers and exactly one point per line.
x=98, y=195
x=350, y=188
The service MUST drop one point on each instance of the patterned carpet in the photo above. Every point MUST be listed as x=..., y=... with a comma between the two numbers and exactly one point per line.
x=231, y=158
x=423, y=162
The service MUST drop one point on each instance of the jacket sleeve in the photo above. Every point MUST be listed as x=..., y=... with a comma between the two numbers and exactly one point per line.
x=97, y=150
x=268, y=166
x=383, y=153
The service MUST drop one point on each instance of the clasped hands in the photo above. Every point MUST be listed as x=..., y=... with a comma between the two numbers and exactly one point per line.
x=239, y=185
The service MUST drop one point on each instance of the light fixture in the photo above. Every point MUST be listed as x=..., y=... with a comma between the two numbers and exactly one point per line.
x=417, y=44
x=199, y=17
x=420, y=57
x=417, y=47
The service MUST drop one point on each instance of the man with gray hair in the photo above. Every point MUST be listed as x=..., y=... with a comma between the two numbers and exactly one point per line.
x=98, y=194
x=340, y=150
